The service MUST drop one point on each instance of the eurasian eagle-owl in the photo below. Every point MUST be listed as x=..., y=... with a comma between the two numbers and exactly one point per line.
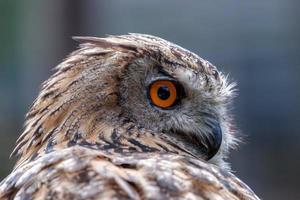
x=128, y=117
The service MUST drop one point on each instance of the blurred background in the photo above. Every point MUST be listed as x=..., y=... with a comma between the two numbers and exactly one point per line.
x=256, y=42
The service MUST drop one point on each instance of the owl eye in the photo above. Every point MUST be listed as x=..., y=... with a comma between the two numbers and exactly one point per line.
x=163, y=93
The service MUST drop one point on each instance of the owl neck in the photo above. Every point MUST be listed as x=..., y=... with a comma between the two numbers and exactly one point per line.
x=105, y=130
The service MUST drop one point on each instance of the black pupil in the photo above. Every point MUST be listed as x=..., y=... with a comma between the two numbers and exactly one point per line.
x=163, y=92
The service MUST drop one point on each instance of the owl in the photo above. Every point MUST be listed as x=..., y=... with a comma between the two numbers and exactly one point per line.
x=128, y=117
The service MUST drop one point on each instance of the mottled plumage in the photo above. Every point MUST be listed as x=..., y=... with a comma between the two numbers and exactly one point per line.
x=93, y=133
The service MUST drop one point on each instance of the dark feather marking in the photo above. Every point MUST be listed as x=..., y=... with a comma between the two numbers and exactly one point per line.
x=83, y=177
x=44, y=109
x=143, y=147
x=129, y=47
x=65, y=69
x=71, y=143
x=108, y=145
x=36, y=135
x=49, y=134
x=58, y=108
x=48, y=94
x=22, y=137
x=77, y=136
x=85, y=143
x=163, y=147
x=50, y=145
x=33, y=156
x=37, y=121
x=179, y=148
x=31, y=113
x=18, y=147
x=132, y=149
x=115, y=136
x=71, y=84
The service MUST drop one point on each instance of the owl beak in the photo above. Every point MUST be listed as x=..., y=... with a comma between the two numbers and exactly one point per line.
x=200, y=145
x=213, y=140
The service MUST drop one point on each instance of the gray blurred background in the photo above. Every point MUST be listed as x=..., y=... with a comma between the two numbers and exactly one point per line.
x=256, y=42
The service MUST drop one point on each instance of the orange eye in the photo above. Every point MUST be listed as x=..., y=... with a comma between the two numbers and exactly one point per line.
x=163, y=93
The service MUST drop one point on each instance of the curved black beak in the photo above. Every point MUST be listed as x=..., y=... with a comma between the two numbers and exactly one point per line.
x=205, y=144
x=214, y=139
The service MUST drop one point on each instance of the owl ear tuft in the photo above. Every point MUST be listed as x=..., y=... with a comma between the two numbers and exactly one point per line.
x=112, y=43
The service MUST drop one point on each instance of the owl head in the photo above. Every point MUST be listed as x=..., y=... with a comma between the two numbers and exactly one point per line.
x=128, y=93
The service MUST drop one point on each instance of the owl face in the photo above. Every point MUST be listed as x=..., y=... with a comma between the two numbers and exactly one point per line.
x=175, y=101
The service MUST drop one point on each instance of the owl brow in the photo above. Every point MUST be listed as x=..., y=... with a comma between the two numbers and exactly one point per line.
x=165, y=73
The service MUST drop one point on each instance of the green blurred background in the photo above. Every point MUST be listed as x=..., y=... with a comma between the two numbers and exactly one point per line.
x=256, y=42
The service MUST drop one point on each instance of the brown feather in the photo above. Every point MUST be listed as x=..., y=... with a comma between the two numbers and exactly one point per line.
x=83, y=173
